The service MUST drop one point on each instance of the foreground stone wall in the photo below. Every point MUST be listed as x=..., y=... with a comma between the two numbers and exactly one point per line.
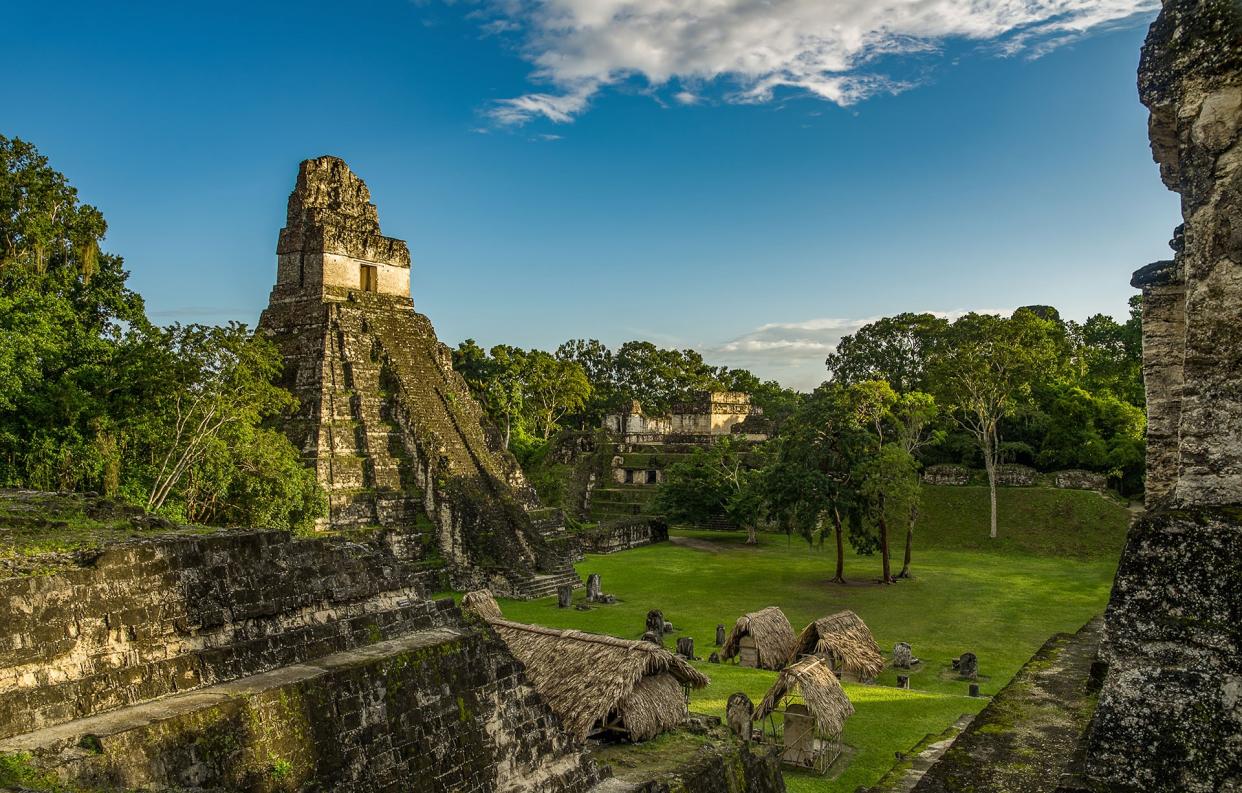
x=1169, y=716
x=149, y=618
x=438, y=711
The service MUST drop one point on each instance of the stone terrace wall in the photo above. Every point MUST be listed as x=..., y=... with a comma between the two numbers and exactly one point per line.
x=442, y=711
x=152, y=617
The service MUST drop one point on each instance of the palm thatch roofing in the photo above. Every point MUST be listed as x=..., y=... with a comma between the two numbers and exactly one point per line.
x=481, y=602
x=588, y=679
x=819, y=688
x=846, y=639
x=773, y=635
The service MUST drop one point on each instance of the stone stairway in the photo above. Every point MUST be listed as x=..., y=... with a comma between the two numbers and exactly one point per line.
x=540, y=586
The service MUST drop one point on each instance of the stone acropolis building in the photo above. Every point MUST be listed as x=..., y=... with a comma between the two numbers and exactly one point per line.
x=393, y=433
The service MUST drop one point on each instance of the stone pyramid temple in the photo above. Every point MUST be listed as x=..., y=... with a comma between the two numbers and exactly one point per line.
x=391, y=430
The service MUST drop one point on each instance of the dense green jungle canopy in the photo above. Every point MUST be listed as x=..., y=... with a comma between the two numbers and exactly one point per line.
x=95, y=397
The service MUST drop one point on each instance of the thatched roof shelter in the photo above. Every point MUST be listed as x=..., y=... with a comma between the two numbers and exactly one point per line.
x=846, y=643
x=762, y=639
x=815, y=683
x=601, y=683
x=813, y=708
x=481, y=602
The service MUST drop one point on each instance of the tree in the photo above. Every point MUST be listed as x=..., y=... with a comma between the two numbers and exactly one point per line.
x=985, y=367
x=813, y=477
x=217, y=388
x=777, y=402
x=893, y=349
x=598, y=363
x=715, y=482
x=552, y=388
x=93, y=396
x=1111, y=354
x=889, y=485
x=659, y=378
x=65, y=317
x=913, y=414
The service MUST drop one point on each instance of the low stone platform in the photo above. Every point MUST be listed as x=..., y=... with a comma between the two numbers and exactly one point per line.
x=1026, y=739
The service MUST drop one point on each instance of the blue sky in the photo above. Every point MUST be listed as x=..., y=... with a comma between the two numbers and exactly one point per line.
x=752, y=182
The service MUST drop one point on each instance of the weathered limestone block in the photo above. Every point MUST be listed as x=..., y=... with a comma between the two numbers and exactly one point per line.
x=903, y=657
x=685, y=647
x=967, y=666
x=625, y=533
x=947, y=474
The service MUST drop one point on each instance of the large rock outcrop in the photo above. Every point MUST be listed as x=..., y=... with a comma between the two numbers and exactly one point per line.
x=1170, y=711
x=392, y=431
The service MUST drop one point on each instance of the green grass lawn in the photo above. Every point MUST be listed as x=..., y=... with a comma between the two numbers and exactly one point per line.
x=1049, y=571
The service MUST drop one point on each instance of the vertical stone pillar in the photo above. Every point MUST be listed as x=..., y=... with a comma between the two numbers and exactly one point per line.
x=1164, y=348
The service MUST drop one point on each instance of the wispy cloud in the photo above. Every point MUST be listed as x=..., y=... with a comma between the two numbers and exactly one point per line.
x=831, y=49
x=794, y=352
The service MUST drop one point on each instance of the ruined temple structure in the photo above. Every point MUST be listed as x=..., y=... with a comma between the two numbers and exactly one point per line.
x=706, y=415
x=391, y=430
x=617, y=468
x=1170, y=711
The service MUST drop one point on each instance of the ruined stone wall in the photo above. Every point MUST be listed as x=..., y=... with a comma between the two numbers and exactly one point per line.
x=154, y=617
x=1169, y=717
x=442, y=711
x=706, y=415
x=624, y=534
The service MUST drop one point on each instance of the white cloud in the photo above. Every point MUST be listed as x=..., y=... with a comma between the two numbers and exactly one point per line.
x=825, y=48
x=687, y=97
x=794, y=352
